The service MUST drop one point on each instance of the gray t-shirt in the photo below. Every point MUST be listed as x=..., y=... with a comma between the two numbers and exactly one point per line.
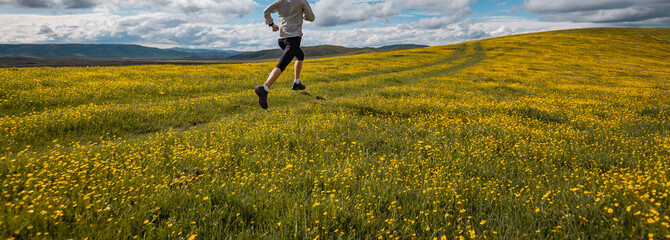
x=291, y=14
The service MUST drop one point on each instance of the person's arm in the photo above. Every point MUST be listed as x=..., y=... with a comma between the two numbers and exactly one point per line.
x=273, y=8
x=308, y=14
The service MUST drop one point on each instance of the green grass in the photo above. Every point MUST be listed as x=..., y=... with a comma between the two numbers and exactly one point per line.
x=549, y=135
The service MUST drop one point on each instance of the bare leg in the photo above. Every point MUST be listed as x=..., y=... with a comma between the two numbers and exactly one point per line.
x=273, y=77
x=297, y=69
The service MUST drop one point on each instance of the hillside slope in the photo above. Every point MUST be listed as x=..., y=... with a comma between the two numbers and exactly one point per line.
x=102, y=54
x=91, y=51
x=553, y=135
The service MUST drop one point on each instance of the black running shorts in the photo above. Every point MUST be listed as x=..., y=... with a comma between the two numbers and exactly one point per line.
x=291, y=47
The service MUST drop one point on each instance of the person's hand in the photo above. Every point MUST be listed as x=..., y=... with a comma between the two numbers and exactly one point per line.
x=275, y=28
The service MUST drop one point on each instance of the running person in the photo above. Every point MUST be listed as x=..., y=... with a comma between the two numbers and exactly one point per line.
x=291, y=14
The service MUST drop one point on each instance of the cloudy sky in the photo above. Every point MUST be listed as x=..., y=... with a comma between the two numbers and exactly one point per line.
x=239, y=25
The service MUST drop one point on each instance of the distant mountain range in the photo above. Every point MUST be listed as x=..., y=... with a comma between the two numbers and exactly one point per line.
x=137, y=52
x=208, y=53
x=106, y=51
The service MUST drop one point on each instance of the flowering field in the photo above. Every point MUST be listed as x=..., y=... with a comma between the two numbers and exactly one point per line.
x=548, y=135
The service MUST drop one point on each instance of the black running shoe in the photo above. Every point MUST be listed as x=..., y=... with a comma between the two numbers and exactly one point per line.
x=298, y=86
x=262, y=96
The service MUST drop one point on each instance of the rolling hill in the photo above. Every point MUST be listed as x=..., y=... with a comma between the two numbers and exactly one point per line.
x=17, y=53
x=91, y=51
x=208, y=53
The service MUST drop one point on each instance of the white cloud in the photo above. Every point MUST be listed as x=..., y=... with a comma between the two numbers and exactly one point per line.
x=150, y=29
x=435, y=22
x=553, y=6
x=225, y=8
x=340, y=12
x=160, y=29
x=503, y=30
x=398, y=34
x=415, y=33
x=49, y=3
x=197, y=24
x=603, y=11
x=497, y=26
x=219, y=8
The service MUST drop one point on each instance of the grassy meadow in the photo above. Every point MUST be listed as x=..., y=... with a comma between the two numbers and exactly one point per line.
x=548, y=135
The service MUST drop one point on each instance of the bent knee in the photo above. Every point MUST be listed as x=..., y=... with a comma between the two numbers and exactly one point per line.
x=300, y=56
